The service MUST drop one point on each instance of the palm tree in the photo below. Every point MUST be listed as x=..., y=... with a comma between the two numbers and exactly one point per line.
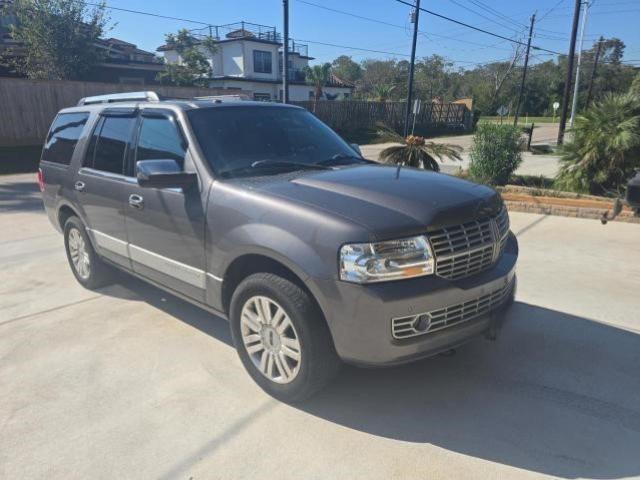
x=383, y=91
x=415, y=151
x=605, y=148
x=318, y=76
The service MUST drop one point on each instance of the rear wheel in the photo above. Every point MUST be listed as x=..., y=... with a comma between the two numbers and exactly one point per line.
x=85, y=264
x=281, y=337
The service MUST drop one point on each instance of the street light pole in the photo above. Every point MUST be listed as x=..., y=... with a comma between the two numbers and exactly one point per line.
x=524, y=72
x=285, y=52
x=567, y=83
x=576, y=88
x=416, y=16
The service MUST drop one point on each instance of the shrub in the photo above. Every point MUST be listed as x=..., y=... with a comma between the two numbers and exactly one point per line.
x=605, y=148
x=495, y=153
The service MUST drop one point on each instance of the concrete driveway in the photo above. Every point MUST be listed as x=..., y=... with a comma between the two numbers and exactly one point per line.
x=129, y=382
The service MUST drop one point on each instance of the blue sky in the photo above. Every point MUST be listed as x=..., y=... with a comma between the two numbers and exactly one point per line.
x=307, y=22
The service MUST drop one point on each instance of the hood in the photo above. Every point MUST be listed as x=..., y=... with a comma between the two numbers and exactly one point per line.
x=389, y=201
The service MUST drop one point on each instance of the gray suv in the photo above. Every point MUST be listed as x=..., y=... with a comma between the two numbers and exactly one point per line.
x=263, y=215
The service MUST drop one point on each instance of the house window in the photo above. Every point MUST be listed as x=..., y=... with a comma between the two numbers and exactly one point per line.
x=312, y=94
x=261, y=61
x=262, y=97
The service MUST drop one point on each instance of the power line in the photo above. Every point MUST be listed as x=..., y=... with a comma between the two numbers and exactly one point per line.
x=361, y=17
x=544, y=15
x=453, y=20
x=497, y=13
x=351, y=48
x=455, y=2
x=375, y=20
x=157, y=15
x=348, y=47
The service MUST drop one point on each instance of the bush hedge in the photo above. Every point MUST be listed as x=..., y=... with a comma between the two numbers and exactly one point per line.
x=495, y=153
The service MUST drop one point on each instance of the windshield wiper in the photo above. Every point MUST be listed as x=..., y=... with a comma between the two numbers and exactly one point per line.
x=285, y=163
x=341, y=159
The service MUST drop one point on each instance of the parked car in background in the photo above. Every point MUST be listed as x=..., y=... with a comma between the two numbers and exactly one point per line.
x=263, y=215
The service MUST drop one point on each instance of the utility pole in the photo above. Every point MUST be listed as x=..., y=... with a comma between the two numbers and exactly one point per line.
x=576, y=88
x=285, y=52
x=567, y=84
x=524, y=72
x=416, y=16
x=593, y=71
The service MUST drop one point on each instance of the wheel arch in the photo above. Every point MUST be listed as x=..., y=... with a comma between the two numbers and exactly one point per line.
x=249, y=263
x=64, y=212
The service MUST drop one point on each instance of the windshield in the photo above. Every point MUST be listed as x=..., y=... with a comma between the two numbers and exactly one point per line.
x=249, y=141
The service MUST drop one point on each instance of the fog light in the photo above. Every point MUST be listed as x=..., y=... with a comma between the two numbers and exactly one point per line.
x=422, y=323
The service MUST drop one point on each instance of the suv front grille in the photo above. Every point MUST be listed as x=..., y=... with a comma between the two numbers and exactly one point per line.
x=407, y=327
x=465, y=249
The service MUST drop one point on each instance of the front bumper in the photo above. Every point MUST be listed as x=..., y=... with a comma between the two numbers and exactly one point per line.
x=360, y=316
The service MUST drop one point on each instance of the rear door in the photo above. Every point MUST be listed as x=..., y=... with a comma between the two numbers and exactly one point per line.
x=165, y=227
x=101, y=185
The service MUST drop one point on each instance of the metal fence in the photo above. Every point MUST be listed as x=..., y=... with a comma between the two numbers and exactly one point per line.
x=351, y=115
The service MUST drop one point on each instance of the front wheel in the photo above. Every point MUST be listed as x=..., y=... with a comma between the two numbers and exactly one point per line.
x=281, y=337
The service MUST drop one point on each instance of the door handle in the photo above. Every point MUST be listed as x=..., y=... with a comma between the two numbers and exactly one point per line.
x=136, y=201
x=79, y=186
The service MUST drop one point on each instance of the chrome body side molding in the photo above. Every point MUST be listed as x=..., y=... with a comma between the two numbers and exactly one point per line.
x=178, y=270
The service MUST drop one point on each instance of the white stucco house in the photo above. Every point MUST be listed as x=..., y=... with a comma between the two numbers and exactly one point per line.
x=249, y=56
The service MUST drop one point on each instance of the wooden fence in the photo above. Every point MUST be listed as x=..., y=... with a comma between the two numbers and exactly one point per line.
x=348, y=115
x=27, y=107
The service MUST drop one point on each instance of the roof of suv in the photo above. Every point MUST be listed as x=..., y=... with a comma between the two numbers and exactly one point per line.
x=178, y=103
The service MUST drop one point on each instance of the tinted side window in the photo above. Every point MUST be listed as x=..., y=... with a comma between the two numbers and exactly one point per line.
x=111, y=144
x=63, y=137
x=159, y=140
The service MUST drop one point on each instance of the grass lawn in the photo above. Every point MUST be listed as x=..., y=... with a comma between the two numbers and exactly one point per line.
x=521, y=120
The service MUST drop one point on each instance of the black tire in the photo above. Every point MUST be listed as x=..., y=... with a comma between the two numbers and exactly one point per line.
x=319, y=362
x=99, y=273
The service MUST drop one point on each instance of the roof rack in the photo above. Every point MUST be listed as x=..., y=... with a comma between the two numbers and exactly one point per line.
x=121, y=97
x=224, y=98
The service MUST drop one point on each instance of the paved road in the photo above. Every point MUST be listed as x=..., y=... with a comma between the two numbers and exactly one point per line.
x=129, y=382
x=545, y=165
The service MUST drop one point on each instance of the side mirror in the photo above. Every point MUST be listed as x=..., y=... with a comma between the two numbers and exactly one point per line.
x=356, y=147
x=163, y=174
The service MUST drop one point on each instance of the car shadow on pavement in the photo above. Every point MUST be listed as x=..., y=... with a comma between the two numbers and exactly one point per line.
x=556, y=394
x=131, y=288
x=20, y=197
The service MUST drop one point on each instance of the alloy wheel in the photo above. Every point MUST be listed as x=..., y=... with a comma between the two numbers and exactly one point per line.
x=270, y=339
x=79, y=254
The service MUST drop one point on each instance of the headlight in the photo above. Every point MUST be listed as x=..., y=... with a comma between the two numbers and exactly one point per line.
x=382, y=261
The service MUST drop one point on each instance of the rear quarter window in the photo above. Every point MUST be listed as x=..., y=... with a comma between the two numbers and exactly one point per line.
x=63, y=137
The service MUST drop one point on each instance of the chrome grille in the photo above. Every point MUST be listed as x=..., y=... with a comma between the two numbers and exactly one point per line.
x=465, y=249
x=405, y=327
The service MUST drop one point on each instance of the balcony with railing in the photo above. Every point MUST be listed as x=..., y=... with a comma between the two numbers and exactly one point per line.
x=249, y=31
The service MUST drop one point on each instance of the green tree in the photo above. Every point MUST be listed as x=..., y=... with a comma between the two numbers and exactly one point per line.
x=605, y=148
x=415, y=151
x=433, y=77
x=383, y=91
x=318, y=77
x=57, y=39
x=345, y=68
x=193, y=67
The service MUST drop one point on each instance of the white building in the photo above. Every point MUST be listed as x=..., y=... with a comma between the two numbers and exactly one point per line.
x=249, y=57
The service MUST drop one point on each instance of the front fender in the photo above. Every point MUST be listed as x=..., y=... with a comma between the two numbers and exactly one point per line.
x=272, y=242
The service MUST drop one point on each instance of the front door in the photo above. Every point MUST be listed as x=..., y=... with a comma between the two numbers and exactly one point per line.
x=165, y=227
x=101, y=186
